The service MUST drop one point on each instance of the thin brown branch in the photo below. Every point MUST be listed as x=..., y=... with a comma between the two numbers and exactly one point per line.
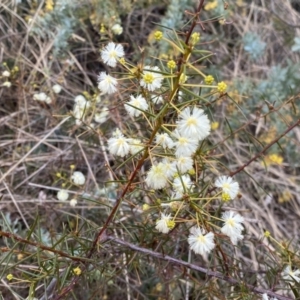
x=195, y=22
x=214, y=274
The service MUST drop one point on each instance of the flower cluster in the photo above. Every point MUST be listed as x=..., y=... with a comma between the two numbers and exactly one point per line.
x=202, y=242
x=120, y=145
x=176, y=147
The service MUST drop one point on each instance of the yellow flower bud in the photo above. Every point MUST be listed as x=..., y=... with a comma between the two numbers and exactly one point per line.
x=77, y=271
x=171, y=64
x=195, y=37
x=158, y=35
x=9, y=277
x=145, y=207
x=222, y=87
x=209, y=80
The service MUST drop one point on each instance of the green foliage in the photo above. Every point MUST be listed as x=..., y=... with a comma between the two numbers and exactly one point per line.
x=58, y=25
x=254, y=45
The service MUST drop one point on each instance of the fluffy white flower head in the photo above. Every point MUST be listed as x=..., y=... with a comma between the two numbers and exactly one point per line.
x=5, y=73
x=73, y=202
x=164, y=224
x=78, y=178
x=184, y=163
x=229, y=187
x=169, y=167
x=289, y=275
x=118, y=144
x=137, y=105
x=7, y=84
x=193, y=123
x=56, y=88
x=232, y=227
x=200, y=242
x=182, y=185
x=106, y=83
x=151, y=80
x=185, y=146
x=112, y=53
x=62, y=195
x=117, y=29
x=156, y=177
x=164, y=140
x=40, y=97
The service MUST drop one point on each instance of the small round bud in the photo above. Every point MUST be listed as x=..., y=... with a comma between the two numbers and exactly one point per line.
x=195, y=37
x=171, y=64
x=77, y=271
x=145, y=207
x=56, y=88
x=158, y=35
x=209, y=80
x=222, y=87
x=78, y=178
x=73, y=202
x=117, y=29
x=214, y=125
x=62, y=195
x=9, y=277
x=182, y=78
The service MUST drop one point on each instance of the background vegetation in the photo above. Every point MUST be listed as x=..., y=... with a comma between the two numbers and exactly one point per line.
x=44, y=241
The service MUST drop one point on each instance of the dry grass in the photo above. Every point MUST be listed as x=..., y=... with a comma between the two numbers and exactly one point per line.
x=38, y=140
